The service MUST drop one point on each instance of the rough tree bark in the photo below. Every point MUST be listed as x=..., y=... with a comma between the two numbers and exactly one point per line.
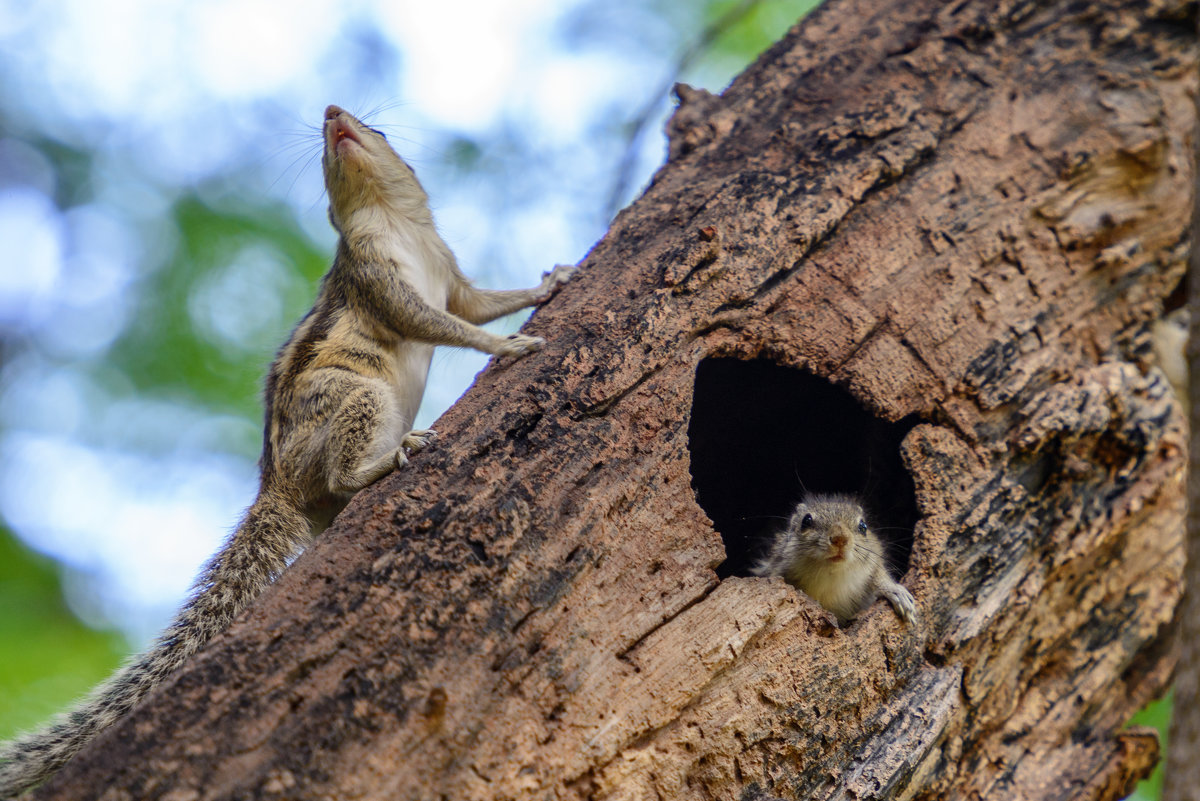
x=914, y=250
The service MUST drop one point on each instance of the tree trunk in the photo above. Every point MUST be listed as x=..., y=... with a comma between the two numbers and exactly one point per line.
x=913, y=252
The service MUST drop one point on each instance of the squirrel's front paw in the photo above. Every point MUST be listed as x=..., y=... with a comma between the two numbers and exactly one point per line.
x=519, y=345
x=904, y=603
x=556, y=277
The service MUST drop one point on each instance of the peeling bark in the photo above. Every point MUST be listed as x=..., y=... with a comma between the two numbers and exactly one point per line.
x=915, y=250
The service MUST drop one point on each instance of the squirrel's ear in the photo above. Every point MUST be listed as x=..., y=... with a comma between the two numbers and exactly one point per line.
x=797, y=519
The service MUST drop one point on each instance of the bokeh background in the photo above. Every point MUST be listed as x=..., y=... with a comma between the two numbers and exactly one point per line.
x=162, y=226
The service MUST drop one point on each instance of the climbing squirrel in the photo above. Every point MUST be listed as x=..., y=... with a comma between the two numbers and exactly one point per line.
x=340, y=401
x=828, y=551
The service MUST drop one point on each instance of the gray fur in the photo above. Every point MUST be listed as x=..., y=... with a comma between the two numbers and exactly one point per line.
x=828, y=551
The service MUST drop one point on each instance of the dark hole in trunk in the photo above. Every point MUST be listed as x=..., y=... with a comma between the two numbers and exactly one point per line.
x=762, y=435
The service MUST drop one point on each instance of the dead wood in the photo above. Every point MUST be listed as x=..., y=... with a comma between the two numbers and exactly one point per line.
x=914, y=251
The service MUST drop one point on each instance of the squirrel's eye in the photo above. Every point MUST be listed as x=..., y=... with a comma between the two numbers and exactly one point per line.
x=862, y=526
x=806, y=523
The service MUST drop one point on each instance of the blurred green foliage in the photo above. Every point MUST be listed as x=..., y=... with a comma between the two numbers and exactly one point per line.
x=50, y=657
x=169, y=351
x=1157, y=714
x=762, y=26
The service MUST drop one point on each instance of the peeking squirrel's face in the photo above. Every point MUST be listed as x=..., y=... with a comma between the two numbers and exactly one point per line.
x=362, y=169
x=832, y=529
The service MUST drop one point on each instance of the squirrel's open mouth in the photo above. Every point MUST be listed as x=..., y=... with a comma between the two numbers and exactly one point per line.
x=341, y=131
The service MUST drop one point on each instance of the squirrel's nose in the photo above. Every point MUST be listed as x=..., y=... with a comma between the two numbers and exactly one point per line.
x=333, y=111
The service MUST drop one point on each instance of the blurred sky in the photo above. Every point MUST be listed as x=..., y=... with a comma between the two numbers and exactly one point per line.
x=222, y=99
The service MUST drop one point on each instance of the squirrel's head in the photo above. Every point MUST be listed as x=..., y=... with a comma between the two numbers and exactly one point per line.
x=832, y=527
x=364, y=174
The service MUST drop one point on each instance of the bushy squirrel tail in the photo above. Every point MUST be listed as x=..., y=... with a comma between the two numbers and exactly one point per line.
x=270, y=534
